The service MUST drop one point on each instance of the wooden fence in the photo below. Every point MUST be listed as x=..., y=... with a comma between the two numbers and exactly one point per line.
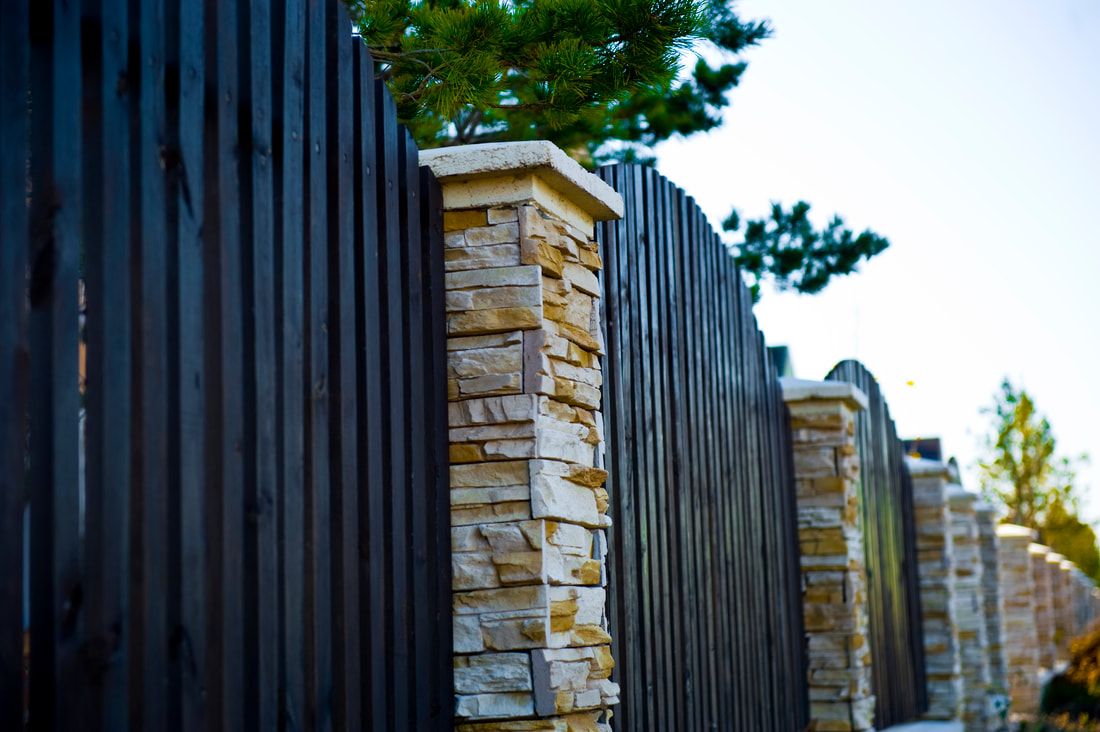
x=706, y=603
x=889, y=535
x=251, y=530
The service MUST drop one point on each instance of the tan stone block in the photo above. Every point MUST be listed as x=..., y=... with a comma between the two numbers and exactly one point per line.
x=466, y=454
x=581, y=278
x=490, y=235
x=581, y=395
x=490, y=474
x=467, y=219
x=478, y=258
x=590, y=259
x=494, y=321
x=517, y=276
x=503, y=215
x=489, y=385
x=541, y=253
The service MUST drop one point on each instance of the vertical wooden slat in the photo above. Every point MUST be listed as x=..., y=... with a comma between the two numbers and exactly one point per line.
x=288, y=70
x=189, y=344
x=318, y=585
x=395, y=459
x=342, y=356
x=372, y=640
x=56, y=211
x=108, y=328
x=420, y=481
x=437, y=646
x=223, y=364
x=258, y=528
x=14, y=82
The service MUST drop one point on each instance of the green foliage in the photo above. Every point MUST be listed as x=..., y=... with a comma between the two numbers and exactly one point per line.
x=599, y=78
x=787, y=248
x=1066, y=534
x=1023, y=474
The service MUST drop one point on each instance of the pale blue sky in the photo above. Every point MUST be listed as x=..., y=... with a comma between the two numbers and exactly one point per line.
x=968, y=133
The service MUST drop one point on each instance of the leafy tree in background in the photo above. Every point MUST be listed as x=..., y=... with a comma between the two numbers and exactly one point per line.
x=1024, y=475
x=602, y=80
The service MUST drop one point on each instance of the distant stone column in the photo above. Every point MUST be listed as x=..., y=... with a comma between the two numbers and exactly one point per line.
x=937, y=589
x=827, y=475
x=970, y=609
x=1062, y=602
x=532, y=650
x=1021, y=642
x=1044, y=613
x=993, y=597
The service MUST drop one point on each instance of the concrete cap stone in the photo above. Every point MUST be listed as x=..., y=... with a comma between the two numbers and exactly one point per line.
x=540, y=158
x=1068, y=566
x=957, y=493
x=1037, y=549
x=1015, y=530
x=925, y=468
x=802, y=390
x=1055, y=558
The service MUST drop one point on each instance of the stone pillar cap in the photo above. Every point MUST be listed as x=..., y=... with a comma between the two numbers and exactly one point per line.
x=956, y=492
x=1054, y=557
x=1015, y=530
x=1037, y=549
x=541, y=158
x=1068, y=566
x=925, y=468
x=804, y=390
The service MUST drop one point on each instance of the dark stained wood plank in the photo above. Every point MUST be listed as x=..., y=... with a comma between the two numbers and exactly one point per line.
x=56, y=213
x=438, y=654
x=189, y=640
x=394, y=404
x=14, y=231
x=371, y=422
x=107, y=221
x=420, y=480
x=224, y=498
x=342, y=356
x=258, y=303
x=288, y=74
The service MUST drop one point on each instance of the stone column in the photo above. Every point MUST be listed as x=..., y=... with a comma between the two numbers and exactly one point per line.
x=834, y=573
x=1021, y=643
x=970, y=608
x=937, y=588
x=1061, y=603
x=532, y=650
x=1044, y=616
x=993, y=598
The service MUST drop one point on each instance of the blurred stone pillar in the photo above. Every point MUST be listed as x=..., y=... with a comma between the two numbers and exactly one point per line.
x=993, y=597
x=1021, y=642
x=937, y=588
x=834, y=577
x=1044, y=614
x=970, y=609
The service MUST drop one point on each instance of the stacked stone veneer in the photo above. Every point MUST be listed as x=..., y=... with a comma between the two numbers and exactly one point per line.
x=970, y=609
x=827, y=475
x=1061, y=602
x=1044, y=614
x=992, y=596
x=527, y=499
x=1021, y=642
x=936, y=568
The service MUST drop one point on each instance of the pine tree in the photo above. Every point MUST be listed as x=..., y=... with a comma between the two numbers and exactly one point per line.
x=602, y=80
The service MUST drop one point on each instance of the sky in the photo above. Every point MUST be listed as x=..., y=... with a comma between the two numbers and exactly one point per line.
x=966, y=132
